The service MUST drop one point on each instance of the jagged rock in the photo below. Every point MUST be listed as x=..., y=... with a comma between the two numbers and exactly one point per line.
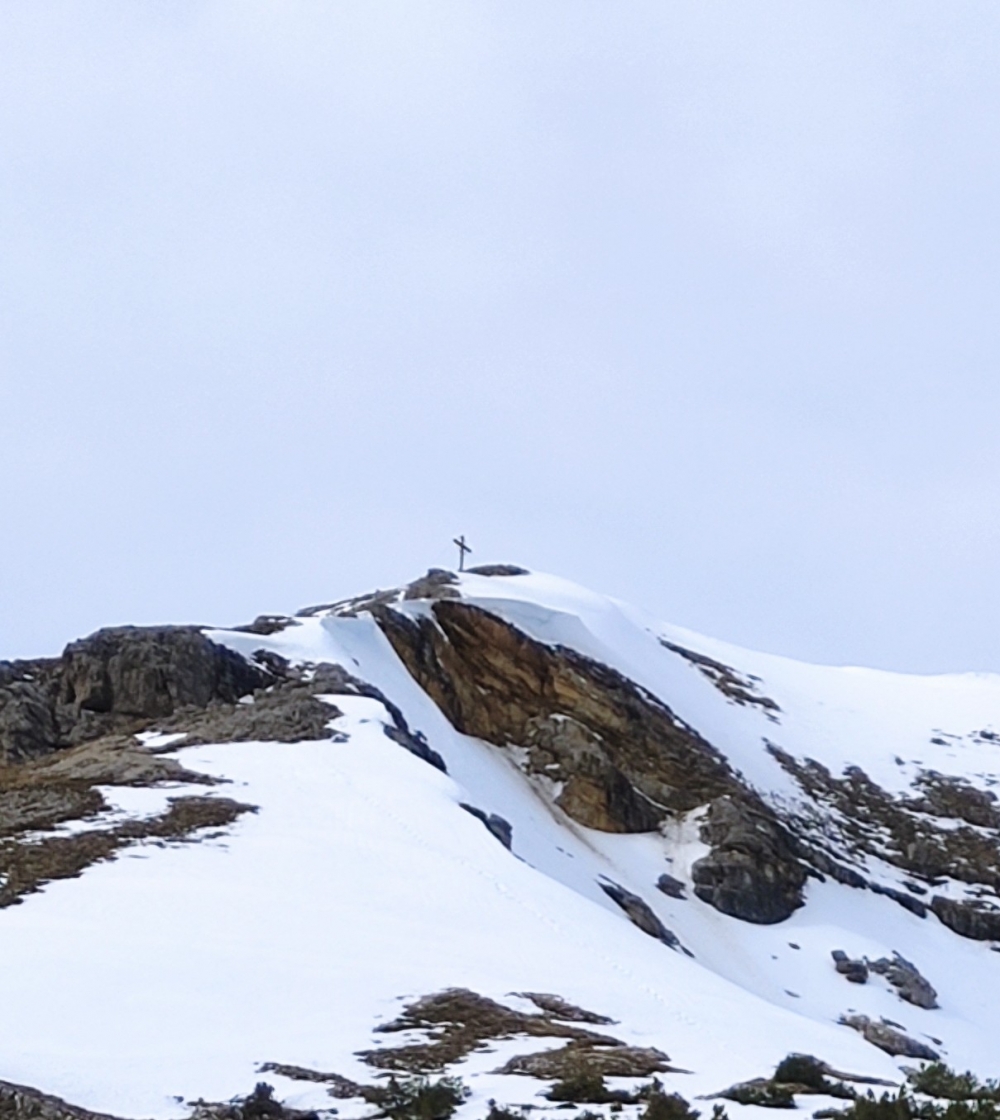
x=902, y=831
x=152, y=671
x=953, y=797
x=580, y=719
x=437, y=584
x=496, y=824
x=670, y=886
x=498, y=570
x=907, y=901
x=640, y=913
x=854, y=970
x=28, y=726
x=265, y=624
x=889, y=1039
x=738, y=687
x=970, y=919
x=752, y=871
x=623, y=758
x=19, y=1102
x=906, y=979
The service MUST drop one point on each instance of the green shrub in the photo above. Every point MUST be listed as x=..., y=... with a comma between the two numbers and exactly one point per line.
x=937, y=1080
x=416, y=1098
x=587, y=1087
x=804, y=1069
x=766, y=1094
x=670, y=1106
x=886, y=1107
x=801, y=1069
x=501, y=1112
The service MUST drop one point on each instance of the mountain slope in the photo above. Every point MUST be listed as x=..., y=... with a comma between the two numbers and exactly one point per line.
x=172, y=971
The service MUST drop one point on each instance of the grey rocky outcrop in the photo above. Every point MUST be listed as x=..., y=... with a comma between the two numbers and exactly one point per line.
x=753, y=871
x=640, y=913
x=498, y=826
x=670, y=886
x=152, y=671
x=888, y=1038
x=115, y=681
x=854, y=970
x=907, y=980
x=19, y=1102
x=978, y=920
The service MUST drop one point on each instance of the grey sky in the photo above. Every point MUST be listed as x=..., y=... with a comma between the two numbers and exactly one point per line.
x=694, y=302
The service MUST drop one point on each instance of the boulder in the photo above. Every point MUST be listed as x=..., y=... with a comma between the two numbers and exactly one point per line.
x=854, y=970
x=889, y=1039
x=151, y=671
x=670, y=886
x=640, y=913
x=970, y=919
x=753, y=871
x=906, y=979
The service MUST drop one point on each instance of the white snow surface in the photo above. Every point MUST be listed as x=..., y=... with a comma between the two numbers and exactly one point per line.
x=172, y=972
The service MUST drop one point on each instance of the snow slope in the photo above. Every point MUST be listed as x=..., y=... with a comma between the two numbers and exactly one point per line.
x=172, y=972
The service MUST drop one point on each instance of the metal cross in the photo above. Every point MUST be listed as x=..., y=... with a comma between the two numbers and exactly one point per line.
x=463, y=548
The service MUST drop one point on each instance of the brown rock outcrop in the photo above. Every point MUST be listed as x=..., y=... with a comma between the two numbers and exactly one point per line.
x=623, y=757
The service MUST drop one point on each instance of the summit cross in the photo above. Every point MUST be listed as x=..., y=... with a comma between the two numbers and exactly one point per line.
x=463, y=548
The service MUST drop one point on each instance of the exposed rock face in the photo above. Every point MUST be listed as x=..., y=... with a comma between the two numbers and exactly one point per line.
x=854, y=970
x=115, y=681
x=19, y=1102
x=977, y=920
x=621, y=757
x=624, y=757
x=906, y=979
x=497, y=570
x=670, y=886
x=152, y=671
x=127, y=679
x=889, y=1039
x=867, y=821
x=753, y=871
x=640, y=914
x=28, y=725
x=498, y=826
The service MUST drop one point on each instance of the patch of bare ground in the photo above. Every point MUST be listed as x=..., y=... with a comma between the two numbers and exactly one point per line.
x=27, y=865
x=342, y=1088
x=458, y=1021
x=588, y=1059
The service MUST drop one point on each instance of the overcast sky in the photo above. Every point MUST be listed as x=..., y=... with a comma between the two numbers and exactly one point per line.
x=693, y=302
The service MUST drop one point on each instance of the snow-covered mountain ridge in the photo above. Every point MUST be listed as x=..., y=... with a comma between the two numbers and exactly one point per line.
x=238, y=847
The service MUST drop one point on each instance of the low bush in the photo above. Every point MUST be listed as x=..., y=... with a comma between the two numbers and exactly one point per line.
x=671, y=1106
x=417, y=1098
x=588, y=1087
x=937, y=1080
